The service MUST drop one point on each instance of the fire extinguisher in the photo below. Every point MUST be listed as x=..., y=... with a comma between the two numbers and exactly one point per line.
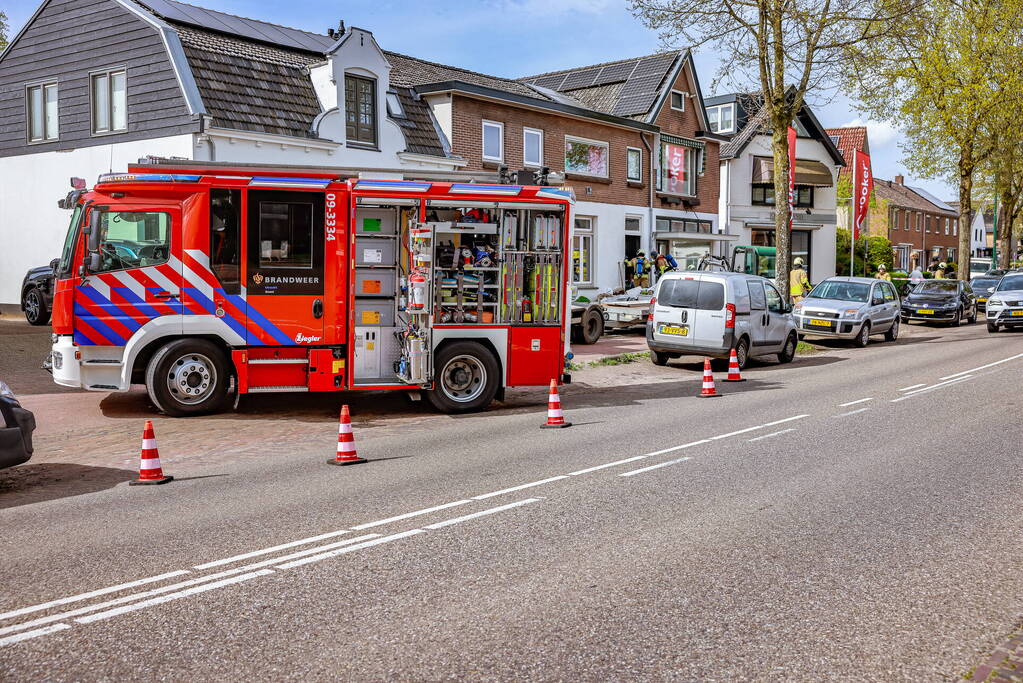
x=417, y=285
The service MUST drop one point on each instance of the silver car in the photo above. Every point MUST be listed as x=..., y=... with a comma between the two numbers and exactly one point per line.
x=1005, y=307
x=850, y=308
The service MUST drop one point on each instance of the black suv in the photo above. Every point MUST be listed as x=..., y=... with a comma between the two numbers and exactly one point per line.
x=37, y=293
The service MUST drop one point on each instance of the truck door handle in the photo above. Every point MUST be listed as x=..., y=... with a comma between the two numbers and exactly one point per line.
x=164, y=295
x=318, y=308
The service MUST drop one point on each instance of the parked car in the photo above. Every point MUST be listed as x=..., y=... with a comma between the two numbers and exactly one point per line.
x=979, y=266
x=16, y=427
x=711, y=313
x=983, y=286
x=850, y=308
x=940, y=301
x=37, y=294
x=1005, y=306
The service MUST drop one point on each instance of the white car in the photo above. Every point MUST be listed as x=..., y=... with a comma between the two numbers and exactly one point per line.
x=1005, y=305
x=711, y=313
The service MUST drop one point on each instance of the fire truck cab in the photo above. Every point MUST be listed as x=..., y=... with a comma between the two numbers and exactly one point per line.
x=203, y=284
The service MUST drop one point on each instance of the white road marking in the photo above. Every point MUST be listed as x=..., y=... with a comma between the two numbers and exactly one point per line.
x=606, y=465
x=632, y=473
x=768, y=436
x=265, y=551
x=854, y=412
x=172, y=596
x=753, y=429
x=90, y=594
x=677, y=448
x=983, y=367
x=349, y=549
x=176, y=586
x=520, y=487
x=914, y=386
x=484, y=513
x=407, y=515
x=928, y=389
x=10, y=640
x=852, y=403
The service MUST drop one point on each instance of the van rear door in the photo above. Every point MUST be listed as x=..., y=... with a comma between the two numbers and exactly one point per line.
x=710, y=314
x=675, y=310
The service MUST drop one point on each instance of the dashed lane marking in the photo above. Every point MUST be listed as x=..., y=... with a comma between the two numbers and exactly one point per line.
x=519, y=487
x=484, y=513
x=606, y=465
x=10, y=640
x=349, y=549
x=912, y=386
x=983, y=367
x=632, y=473
x=852, y=403
x=929, y=388
x=853, y=412
x=768, y=436
x=265, y=551
x=408, y=515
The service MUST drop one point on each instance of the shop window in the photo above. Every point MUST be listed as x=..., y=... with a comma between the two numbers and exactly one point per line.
x=634, y=164
x=532, y=147
x=225, y=238
x=132, y=239
x=41, y=103
x=285, y=235
x=582, y=251
x=679, y=167
x=493, y=140
x=678, y=100
x=763, y=195
x=721, y=118
x=588, y=157
x=109, y=101
x=360, y=110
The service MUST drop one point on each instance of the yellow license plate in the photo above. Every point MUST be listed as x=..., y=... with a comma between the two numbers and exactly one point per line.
x=924, y=311
x=677, y=330
x=982, y=300
x=820, y=323
x=1016, y=313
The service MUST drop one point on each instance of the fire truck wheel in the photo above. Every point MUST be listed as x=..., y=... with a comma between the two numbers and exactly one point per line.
x=466, y=378
x=188, y=377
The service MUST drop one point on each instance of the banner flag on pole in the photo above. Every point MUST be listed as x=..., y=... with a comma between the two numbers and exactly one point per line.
x=863, y=185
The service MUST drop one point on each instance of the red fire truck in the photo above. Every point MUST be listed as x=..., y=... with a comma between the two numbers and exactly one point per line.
x=206, y=283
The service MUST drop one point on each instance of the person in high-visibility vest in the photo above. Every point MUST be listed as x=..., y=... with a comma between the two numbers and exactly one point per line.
x=882, y=273
x=799, y=281
x=939, y=274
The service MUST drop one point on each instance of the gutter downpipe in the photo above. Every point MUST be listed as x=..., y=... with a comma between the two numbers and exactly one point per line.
x=650, y=194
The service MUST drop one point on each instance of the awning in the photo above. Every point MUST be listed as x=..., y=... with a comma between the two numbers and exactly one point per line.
x=808, y=172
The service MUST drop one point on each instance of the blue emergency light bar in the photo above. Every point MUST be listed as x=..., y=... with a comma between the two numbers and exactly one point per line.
x=472, y=188
x=146, y=178
x=273, y=181
x=393, y=185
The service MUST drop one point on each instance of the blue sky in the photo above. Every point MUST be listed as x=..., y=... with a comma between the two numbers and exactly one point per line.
x=514, y=38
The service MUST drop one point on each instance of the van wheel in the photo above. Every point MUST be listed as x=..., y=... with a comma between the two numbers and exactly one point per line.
x=742, y=353
x=466, y=379
x=788, y=352
x=659, y=358
x=188, y=377
x=863, y=338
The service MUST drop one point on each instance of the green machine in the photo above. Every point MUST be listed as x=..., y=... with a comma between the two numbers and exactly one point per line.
x=755, y=260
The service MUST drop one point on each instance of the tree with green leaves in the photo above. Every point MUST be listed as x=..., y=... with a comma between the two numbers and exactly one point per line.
x=945, y=82
x=789, y=49
x=3, y=30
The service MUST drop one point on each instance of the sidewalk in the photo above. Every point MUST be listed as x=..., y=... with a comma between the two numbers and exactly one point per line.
x=610, y=345
x=1005, y=665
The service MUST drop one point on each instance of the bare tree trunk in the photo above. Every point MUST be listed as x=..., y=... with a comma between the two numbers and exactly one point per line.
x=965, y=202
x=782, y=235
x=1003, y=237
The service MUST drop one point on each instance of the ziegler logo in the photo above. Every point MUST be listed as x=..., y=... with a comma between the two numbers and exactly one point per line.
x=258, y=278
x=300, y=338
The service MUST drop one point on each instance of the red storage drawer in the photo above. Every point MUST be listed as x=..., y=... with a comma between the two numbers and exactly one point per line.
x=535, y=356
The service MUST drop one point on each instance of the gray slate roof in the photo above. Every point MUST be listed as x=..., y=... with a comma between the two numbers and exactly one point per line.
x=626, y=87
x=409, y=72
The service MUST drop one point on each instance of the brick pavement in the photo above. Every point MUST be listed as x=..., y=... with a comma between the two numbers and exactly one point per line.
x=1005, y=664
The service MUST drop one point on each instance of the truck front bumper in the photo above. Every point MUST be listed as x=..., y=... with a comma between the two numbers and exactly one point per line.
x=65, y=362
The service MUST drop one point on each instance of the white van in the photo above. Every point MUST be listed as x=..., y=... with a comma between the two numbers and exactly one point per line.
x=711, y=313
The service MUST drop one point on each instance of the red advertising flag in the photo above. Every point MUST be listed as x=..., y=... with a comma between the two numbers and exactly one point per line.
x=792, y=174
x=676, y=168
x=863, y=185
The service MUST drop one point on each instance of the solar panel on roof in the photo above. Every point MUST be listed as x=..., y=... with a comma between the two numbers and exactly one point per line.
x=580, y=79
x=614, y=73
x=549, y=81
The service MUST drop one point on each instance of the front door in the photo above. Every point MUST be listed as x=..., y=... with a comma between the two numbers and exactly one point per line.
x=284, y=259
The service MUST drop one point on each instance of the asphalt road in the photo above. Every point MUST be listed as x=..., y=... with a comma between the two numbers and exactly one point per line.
x=854, y=515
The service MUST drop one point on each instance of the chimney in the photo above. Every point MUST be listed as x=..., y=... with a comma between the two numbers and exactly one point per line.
x=899, y=180
x=336, y=33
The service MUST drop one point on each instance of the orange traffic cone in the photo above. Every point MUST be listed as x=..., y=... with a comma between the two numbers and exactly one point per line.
x=555, y=418
x=733, y=369
x=346, y=454
x=708, y=381
x=150, y=471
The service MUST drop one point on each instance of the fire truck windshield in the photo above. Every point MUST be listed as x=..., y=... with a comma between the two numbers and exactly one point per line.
x=130, y=239
x=69, y=240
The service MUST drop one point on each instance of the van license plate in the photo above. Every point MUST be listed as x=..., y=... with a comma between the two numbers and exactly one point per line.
x=677, y=330
x=924, y=311
x=1016, y=313
x=820, y=323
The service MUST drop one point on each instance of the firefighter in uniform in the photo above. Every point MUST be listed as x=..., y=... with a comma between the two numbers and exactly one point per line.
x=799, y=282
x=882, y=273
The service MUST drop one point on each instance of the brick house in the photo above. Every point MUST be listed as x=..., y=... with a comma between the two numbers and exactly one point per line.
x=921, y=228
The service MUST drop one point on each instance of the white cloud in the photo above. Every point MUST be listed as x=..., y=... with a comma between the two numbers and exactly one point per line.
x=880, y=134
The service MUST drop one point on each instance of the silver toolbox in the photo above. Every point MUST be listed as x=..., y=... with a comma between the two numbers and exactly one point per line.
x=374, y=282
x=375, y=312
x=371, y=252
x=374, y=221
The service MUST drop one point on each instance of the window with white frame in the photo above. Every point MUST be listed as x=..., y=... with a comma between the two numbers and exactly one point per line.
x=109, y=101
x=955, y=226
x=678, y=100
x=634, y=164
x=41, y=104
x=582, y=250
x=394, y=108
x=532, y=147
x=721, y=118
x=493, y=140
x=680, y=165
x=588, y=157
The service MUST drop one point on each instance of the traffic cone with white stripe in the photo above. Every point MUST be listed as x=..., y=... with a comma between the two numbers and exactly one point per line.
x=150, y=471
x=733, y=369
x=555, y=418
x=708, y=390
x=346, y=453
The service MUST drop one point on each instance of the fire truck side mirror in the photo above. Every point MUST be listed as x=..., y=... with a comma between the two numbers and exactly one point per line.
x=94, y=262
x=93, y=230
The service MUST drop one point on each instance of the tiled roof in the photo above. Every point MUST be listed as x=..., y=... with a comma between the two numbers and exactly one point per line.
x=757, y=124
x=409, y=72
x=420, y=135
x=250, y=86
x=849, y=138
x=904, y=197
x=639, y=79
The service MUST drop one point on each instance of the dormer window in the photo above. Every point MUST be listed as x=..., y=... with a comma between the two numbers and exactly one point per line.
x=360, y=111
x=721, y=118
x=394, y=108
